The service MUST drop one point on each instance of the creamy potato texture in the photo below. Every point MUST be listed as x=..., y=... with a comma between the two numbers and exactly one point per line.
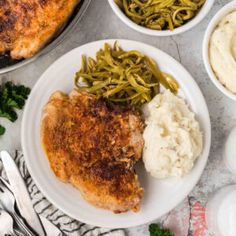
x=173, y=140
x=222, y=51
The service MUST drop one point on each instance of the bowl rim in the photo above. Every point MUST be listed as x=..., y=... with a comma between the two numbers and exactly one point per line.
x=189, y=25
x=231, y=6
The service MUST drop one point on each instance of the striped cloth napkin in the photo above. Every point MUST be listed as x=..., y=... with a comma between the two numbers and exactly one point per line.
x=41, y=205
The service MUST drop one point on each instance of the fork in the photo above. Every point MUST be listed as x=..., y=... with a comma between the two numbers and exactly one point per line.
x=44, y=220
x=8, y=202
x=6, y=226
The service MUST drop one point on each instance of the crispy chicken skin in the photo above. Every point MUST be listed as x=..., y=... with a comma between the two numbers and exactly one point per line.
x=26, y=25
x=94, y=148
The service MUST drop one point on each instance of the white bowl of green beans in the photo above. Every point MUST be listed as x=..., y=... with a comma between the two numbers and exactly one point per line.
x=161, y=17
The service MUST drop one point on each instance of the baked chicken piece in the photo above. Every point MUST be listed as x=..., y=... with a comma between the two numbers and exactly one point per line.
x=27, y=25
x=94, y=148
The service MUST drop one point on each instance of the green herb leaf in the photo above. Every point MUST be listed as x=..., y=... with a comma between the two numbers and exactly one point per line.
x=157, y=230
x=12, y=97
x=2, y=130
x=8, y=113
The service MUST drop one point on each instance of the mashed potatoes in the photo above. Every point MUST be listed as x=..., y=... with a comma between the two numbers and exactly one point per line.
x=173, y=140
x=222, y=51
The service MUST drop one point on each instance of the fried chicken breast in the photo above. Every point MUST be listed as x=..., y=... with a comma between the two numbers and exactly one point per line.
x=94, y=148
x=26, y=25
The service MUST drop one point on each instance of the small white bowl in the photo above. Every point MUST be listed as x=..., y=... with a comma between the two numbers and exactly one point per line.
x=201, y=14
x=220, y=211
x=205, y=47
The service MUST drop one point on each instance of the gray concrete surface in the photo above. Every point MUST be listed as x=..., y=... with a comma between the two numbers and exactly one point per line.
x=99, y=22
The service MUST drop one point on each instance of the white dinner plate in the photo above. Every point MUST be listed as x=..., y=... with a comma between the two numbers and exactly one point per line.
x=160, y=195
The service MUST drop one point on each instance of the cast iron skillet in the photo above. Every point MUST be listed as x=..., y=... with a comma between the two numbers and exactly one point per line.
x=7, y=64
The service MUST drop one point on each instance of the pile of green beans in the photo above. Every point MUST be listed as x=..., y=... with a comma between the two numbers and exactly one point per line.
x=160, y=14
x=119, y=76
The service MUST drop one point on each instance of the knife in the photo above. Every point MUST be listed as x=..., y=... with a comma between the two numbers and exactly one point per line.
x=21, y=194
x=50, y=228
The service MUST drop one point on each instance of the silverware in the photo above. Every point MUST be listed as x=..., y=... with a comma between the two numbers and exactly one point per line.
x=7, y=223
x=49, y=227
x=21, y=194
x=6, y=226
x=7, y=201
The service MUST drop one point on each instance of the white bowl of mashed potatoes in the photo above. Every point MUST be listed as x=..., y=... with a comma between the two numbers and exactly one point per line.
x=219, y=50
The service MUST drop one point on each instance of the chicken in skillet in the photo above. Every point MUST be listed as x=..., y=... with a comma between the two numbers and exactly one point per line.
x=27, y=25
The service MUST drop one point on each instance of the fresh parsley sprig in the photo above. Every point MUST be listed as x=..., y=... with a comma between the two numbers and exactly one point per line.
x=157, y=230
x=11, y=97
x=2, y=130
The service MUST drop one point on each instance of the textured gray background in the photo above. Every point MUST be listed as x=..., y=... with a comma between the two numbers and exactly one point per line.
x=99, y=22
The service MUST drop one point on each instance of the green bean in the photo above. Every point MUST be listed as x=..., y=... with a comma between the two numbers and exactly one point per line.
x=115, y=90
x=160, y=14
x=120, y=76
x=157, y=73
